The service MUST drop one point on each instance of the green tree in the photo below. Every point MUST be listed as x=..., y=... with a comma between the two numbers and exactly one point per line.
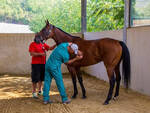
x=146, y=11
x=65, y=14
x=105, y=15
x=11, y=11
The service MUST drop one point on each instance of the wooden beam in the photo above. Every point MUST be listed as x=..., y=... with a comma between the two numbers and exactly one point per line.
x=83, y=16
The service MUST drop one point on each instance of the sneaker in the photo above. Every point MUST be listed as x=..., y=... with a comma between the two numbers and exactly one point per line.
x=47, y=102
x=40, y=93
x=67, y=101
x=34, y=95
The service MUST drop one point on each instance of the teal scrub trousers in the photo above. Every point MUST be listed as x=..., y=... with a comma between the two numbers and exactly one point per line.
x=56, y=74
x=53, y=70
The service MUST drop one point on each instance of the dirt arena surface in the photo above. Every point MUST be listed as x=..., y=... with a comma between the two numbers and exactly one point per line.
x=15, y=97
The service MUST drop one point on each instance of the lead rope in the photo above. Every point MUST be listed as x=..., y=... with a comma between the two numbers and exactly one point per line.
x=43, y=48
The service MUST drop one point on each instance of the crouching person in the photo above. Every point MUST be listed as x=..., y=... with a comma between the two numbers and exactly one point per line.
x=53, y=69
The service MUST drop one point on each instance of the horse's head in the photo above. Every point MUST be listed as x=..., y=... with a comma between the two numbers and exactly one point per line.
x=38, y=38
x=48, y=31
x=58, y=35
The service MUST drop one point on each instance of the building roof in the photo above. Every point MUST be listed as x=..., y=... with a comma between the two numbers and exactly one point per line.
x=14, y=28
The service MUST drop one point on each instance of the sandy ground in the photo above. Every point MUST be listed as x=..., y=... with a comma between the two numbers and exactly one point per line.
x=15, y=97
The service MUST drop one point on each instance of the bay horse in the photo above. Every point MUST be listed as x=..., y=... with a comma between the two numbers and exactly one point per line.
x=108, y=50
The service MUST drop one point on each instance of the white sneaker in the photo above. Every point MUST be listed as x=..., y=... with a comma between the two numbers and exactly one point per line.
x=48, y=102
x=66, y=102
x=34, y=95
x=40, y=93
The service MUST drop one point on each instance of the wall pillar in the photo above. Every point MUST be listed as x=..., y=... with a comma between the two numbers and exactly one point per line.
x=126, y=19
x=83, y=17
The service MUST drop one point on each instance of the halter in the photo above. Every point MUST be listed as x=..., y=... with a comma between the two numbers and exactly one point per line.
x=48, y=32
x=45, y=32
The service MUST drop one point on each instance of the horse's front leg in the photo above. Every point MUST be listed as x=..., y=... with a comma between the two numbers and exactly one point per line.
x=81, y=82
x=73, y=76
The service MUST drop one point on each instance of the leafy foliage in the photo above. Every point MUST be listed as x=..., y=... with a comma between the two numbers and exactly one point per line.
x=105, y=15
x=66, y=14
x=140, y=12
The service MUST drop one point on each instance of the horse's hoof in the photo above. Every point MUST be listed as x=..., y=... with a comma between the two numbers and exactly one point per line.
x=84, y=97
x=105, y=103
x=73, y=97
x=115, y=98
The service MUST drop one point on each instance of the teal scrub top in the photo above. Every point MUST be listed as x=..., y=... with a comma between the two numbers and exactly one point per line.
x=59, y=55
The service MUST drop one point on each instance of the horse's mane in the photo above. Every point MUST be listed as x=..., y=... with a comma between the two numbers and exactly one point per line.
x=67, y=33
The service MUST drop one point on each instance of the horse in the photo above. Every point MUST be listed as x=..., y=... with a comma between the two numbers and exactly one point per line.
x=108, y=50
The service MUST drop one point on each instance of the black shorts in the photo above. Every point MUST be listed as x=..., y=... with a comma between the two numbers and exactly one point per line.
x=38, y=71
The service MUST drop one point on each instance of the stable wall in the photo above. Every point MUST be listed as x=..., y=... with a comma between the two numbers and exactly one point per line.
x=138, y=41
x=14, y=54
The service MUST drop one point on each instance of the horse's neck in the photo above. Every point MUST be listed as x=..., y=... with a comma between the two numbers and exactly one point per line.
x=61, y=37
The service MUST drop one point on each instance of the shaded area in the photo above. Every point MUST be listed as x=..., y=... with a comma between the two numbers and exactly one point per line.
x=15, y=97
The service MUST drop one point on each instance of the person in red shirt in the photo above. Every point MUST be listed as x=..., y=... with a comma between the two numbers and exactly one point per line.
x=38, y=50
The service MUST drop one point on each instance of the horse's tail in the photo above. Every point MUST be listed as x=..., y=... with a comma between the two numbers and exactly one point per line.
x=126, y=68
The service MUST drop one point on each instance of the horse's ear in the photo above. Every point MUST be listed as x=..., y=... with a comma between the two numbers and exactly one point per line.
x=47, y=22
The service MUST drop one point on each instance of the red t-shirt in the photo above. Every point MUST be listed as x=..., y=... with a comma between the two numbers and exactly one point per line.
x=38, y=48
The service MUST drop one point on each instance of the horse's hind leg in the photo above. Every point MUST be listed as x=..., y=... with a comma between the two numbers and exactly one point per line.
x=111, y=83
x=74, y=81
x=118, y=78
x=81, y=82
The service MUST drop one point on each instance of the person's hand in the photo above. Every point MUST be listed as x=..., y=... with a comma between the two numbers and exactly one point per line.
x=43, y=54
x=79, y=57
x=52, y=47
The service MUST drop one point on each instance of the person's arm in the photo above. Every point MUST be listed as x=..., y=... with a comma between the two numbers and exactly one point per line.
x=47, y=47
x=74, y=59
x=52, y=47
x=37, y=54
x=80, y=53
